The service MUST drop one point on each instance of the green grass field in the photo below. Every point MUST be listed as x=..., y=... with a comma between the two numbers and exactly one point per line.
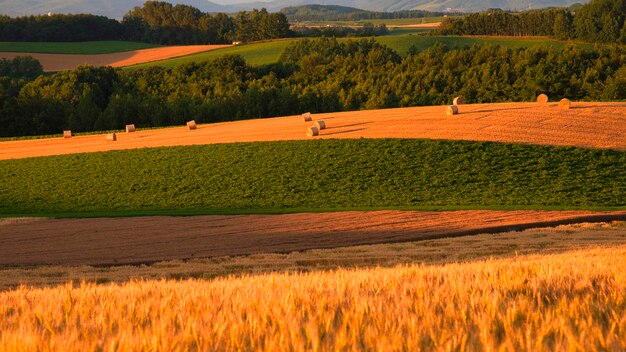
x=268, y=52
x=327, y=175
x=254, y=54
x=85, y=48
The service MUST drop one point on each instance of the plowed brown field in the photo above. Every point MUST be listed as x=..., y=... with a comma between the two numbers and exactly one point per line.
x=589, y=125
x=109, y=241
x=59, y=62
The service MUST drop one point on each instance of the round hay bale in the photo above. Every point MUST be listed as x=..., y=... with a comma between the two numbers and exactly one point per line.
x=458, y=100
x=130, y=128
x=67, y=134
x=321, y=125
x=307, y=117
x=192, y=125
x=542, y=99
x=452, y=110
x=565, y=104
x=111, y=137
x=312, y=131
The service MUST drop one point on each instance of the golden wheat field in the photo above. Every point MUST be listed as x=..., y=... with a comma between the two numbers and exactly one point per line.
x=570, y=301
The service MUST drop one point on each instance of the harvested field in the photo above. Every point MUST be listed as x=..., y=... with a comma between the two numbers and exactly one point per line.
x=60, y=62
x=587, y=125
x=117, y=241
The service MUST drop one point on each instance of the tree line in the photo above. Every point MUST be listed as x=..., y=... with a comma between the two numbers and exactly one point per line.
x=321, y=75
x=597, y=21
x=155, y=22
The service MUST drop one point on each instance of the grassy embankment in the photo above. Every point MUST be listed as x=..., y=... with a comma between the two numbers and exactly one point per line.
x=570, y=301
x=331, y=175
x=269, y=52
x=83, y=48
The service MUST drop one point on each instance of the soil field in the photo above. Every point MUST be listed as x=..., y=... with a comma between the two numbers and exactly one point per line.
x=59, y=62
x=587, y=125
x=437, y=251
x=117, y=241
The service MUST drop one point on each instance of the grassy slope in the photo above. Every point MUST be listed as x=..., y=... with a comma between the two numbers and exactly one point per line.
x=569, y=301
x=314, y=176
x=86, y=48
x=269, y=52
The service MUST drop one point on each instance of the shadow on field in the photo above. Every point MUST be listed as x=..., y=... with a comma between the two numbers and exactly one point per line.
x=343, y=132
x=494, y=110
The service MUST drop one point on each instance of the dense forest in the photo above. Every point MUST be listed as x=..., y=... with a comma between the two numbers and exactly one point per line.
x=342, y=13
x=597, y=21
x=156, y=22
x=320, y=75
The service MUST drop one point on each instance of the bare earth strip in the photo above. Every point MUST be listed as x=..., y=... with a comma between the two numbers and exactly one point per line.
x=116, y=241
x=588, y=125
x=59, y=62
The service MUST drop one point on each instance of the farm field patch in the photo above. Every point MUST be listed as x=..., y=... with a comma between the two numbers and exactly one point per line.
x=59, y=62
x=314, y=175
x=145, y=240
x=434, y=251
x=542, y=301
x=255, y=54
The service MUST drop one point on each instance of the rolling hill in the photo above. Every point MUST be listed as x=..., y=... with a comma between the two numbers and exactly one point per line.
x=117, y=8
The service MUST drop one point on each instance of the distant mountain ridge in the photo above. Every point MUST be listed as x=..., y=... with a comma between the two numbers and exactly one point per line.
x=118, y=8
x=403, y=5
